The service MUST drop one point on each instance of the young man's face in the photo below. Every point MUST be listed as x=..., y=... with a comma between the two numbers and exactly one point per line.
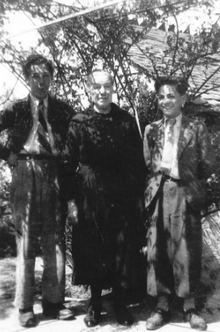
x=170, y=101
x=101, y=90
x=39, y=80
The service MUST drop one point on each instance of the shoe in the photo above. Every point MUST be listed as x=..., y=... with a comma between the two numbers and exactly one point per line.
x=93, y=315
x=56, y=311
x=157, y=319
x=124, y=317
x=27, y=319
x=196, y=321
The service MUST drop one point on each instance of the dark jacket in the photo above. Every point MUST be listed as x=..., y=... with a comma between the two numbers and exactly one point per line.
x=18, y=121
x=104, y=154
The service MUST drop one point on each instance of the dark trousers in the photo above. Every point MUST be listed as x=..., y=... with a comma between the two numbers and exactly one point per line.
x=38, y=217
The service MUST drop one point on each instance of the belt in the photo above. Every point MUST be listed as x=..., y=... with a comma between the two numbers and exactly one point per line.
x=168, y=178
x=27, y=156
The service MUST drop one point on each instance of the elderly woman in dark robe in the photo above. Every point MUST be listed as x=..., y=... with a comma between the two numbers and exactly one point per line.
x=104, y=159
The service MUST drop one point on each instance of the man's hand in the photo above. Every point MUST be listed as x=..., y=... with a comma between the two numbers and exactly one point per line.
x=12, y=159
x=72, y=215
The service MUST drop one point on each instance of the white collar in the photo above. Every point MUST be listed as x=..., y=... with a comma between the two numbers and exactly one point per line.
x=178, y=119
x=35, y=101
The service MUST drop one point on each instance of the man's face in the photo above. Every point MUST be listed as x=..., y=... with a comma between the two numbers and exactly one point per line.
x=101, y=90
x=170, y=101
x=39, y=80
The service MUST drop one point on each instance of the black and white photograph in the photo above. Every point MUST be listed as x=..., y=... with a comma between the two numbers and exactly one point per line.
x=109, y=165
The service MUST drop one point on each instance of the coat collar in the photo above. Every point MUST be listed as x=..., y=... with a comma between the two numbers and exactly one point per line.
x=186, y=132
x=50, y=102
x=26, y=108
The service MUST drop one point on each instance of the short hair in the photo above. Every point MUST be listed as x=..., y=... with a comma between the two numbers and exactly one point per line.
x=90, y=78
x=36, y=59
x=180, y=83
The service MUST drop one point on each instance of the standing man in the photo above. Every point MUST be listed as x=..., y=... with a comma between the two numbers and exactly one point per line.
x=177, y=152
x=37, y=128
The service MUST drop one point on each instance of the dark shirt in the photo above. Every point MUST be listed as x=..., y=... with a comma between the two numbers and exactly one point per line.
x=109, y=144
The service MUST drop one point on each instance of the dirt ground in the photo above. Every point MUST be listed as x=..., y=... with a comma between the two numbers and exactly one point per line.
x=140, y=308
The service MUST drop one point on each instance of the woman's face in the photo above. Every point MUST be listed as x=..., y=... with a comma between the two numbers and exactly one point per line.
x=170, y=101
x=101, y=90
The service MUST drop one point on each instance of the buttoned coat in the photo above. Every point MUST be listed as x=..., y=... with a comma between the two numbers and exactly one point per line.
x=195, y=159
x=104, y=153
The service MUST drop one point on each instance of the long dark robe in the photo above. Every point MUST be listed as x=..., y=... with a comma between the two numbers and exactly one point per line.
x=104, y=159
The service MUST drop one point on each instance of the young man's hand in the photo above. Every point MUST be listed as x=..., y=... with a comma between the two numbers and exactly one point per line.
x=72, y=214
x=12, y=159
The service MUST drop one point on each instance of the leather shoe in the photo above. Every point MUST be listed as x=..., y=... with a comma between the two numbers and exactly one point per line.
x=56, y=311
x=124, y=317
x=196, y=321
x=157, y=319
x=93, y=315
x=27, y=319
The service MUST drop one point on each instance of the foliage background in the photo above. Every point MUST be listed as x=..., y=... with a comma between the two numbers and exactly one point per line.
x=136, y=40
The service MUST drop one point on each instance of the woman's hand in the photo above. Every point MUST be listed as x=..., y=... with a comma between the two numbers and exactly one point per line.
x=12, y=159
x=72, y=214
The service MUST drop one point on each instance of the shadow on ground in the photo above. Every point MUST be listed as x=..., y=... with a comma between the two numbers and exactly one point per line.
x=138, y=303
x=7, y=286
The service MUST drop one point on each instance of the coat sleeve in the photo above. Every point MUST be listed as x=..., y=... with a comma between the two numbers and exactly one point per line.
x=71, y=160
x=147, y=152
x=205, y=153
x=136, y=156
x=7, y=117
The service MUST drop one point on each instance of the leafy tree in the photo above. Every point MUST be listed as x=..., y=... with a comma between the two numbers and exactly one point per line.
x=121, y=39
x=100, y=38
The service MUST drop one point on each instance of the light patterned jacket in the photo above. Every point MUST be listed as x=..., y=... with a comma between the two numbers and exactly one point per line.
x=195, y=159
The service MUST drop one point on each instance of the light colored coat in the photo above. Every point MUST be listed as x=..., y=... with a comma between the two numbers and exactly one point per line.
x=195, y=159
x=174, y=252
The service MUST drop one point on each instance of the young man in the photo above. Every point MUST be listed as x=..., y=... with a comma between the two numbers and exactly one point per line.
x=178, y=155
x=37, y=128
